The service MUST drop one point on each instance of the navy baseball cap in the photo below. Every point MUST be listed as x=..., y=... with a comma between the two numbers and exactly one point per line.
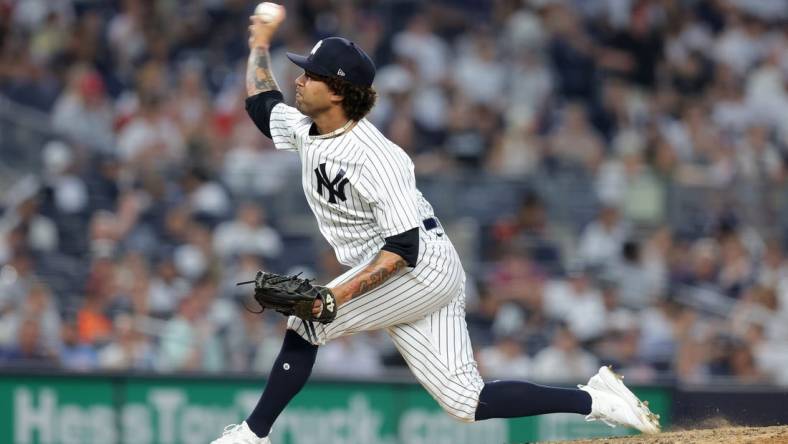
x=340, y=58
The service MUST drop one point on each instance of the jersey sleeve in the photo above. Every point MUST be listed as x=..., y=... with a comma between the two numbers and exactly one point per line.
x=389, y=185
x=283, y=124
x=259, y=108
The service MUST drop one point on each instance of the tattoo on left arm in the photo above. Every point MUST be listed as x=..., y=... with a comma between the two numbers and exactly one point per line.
x=385, y=265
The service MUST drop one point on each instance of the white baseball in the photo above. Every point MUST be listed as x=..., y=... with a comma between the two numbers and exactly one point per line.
x=267, y=11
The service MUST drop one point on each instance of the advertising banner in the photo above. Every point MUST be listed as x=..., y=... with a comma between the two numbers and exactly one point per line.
x=169, y=410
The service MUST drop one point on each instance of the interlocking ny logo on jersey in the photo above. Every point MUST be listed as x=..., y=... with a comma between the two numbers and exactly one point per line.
x=335, y=187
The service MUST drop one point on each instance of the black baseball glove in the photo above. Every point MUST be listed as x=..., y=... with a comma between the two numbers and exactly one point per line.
x=293, y=296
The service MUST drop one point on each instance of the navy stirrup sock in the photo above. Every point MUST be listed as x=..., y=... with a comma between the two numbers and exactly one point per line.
x=513, y=399
x=289, y=374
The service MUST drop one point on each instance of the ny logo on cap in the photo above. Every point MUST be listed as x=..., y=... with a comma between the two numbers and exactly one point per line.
x=341, y=73
x=315, y=48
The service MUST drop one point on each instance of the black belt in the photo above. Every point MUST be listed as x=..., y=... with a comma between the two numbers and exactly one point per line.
x=430, y=223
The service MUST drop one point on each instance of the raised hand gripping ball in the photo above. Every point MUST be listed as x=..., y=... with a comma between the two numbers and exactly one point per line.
x=268, y=12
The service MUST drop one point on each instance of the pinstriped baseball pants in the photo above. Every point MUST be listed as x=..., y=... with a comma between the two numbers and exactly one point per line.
x=423, y=310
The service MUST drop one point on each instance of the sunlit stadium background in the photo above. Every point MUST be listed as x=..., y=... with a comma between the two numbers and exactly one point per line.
x=613, y=172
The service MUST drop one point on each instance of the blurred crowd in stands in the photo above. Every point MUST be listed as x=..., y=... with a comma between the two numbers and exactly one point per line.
x=621, y=168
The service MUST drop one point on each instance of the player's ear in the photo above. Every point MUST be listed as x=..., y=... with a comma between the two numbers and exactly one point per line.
x=335, y=98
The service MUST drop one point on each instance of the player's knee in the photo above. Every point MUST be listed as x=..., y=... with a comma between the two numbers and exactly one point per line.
x=462, y=415
x=461, y=404
x=467, y=419
x=462, y=409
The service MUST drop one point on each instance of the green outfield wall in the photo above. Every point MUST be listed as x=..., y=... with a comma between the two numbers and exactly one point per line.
x=107, y=409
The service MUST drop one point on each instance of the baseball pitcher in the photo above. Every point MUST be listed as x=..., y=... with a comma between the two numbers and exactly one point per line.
x=405, y=275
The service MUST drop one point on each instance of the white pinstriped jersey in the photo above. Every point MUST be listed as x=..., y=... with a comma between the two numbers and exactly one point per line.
x=359, y=184
x=362, y=189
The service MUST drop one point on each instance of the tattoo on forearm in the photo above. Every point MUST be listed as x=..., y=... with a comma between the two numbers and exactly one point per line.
x=378, y=274
x=259, y=77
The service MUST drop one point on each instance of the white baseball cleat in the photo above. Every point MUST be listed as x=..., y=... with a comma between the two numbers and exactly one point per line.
x=240, y=434
x=614, y=404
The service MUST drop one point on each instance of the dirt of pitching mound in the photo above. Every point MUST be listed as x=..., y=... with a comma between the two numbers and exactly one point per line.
x=732, y=435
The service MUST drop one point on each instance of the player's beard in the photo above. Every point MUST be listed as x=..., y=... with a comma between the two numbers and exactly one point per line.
x=310, y=110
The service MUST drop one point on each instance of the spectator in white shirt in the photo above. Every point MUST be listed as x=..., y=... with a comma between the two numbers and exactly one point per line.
x=601, y=241
x=429, y=51
x=563, y=360
x=577, y=303
x=505, y=359
x=152, y=140
x=83, y=112
x=248, y=233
